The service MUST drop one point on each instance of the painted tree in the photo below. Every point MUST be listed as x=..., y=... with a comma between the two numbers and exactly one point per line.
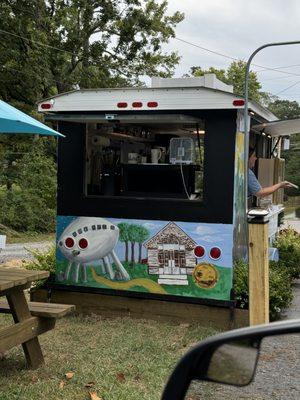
x=124, y=237
x=142, y=235
x=133, y=235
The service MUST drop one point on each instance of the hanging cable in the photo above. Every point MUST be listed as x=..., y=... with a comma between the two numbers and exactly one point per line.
x=183, y=181
x=233, y=58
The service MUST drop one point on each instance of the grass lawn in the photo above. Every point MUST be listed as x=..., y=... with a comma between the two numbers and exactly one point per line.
x=13, y=236
x=26, y=237
x=119, y=359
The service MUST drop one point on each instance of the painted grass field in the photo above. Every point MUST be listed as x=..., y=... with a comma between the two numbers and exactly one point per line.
x=141, y=281
x=117, y=359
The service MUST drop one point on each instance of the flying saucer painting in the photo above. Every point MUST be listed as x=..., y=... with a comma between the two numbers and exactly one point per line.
x=89, y=239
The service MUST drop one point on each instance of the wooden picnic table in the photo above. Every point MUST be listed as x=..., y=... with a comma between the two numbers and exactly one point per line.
x=31, y=319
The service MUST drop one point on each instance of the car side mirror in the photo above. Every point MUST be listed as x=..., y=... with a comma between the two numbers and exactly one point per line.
x=230, y=358
x=233, y=363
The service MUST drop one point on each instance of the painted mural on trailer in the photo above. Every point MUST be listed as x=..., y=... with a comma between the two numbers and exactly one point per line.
x=240, y=250
x=161, y=257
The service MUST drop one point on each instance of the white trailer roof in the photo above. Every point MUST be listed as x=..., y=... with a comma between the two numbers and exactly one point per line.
x=147, y=99
x=285, y=127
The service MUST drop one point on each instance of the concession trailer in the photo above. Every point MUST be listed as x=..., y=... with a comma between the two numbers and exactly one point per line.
x=151, y=200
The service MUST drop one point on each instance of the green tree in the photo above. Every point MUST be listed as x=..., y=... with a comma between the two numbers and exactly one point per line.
x=235, y=76
x=51, y=46
x=284, y=109
x=30, y=203
x=90, y=43
x=124, y=236
x=221, y=74
x=142, y=235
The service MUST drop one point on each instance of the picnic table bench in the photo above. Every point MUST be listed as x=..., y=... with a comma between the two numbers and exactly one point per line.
x=31, y=318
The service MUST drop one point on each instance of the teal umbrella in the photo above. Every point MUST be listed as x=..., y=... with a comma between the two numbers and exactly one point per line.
x=13, y=120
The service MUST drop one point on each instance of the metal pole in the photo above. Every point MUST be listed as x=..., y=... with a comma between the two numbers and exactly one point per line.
x=258, y=257
x=246, y=127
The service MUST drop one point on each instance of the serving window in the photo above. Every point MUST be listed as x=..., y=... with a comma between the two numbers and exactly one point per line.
x=102, y=169
x=161, y=158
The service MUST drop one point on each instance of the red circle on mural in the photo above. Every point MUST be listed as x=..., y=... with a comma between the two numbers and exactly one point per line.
x=83, y=243
x=199, y=251
x=69, y=242
x=215, y=253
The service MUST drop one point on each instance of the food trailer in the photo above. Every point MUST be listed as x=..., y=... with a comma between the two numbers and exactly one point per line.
x=151, y=180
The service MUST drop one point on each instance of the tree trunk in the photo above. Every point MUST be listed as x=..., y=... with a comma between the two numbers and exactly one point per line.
x=126, y=251
x=132, y=253
x=140, y=253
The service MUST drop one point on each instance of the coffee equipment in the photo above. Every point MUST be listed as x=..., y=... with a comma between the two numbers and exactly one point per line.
x=133, y=158
x=155, y=155
x=162, y=158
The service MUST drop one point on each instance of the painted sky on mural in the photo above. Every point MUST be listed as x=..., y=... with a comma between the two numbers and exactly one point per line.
x=207, y=235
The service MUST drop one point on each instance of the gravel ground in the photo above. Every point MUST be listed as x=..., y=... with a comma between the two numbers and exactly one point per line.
x=18, y=251
x=278, y=369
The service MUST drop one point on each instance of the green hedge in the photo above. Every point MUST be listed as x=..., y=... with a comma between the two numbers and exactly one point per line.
x=288, y=245
x=297, y=212
x=281, y=274
x=281, y=293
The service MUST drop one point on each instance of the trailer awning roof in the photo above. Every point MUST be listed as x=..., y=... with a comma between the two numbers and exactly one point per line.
x=285, y=127
x=138, y=118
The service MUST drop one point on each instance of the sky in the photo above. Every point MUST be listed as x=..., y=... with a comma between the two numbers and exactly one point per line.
x=206, y=235
x=236, y=28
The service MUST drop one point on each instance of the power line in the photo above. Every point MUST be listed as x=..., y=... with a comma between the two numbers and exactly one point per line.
x=277, y=69
x=281, y=91
x=176, y=38
x=233, y=58
x=206, y=49
x=277, y=78
x=283, y=67
x=38, y=43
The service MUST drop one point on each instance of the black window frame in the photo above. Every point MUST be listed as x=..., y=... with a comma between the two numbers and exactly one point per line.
x=217, y=204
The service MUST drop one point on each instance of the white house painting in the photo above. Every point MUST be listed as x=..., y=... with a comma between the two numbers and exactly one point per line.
x=171, y=255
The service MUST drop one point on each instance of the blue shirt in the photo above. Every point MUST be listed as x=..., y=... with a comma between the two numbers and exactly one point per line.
x=253, y=184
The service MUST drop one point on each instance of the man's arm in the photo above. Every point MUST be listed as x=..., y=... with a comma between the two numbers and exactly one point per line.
x=263, y=192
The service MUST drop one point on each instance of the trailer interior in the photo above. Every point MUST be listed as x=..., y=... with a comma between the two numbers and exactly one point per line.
x=147, y=157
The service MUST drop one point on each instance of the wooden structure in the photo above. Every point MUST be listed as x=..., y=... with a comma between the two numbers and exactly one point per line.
x=31, y=320
x=258, y=271
x=220, y=316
